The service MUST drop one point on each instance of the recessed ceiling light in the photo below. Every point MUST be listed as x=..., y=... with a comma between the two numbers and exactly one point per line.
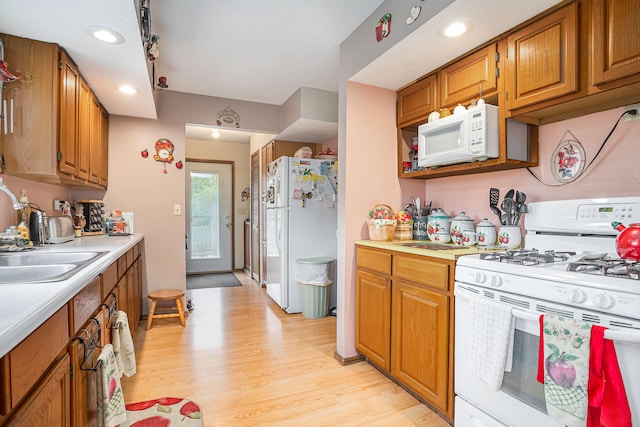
x=456, y=28
x=215, y=134
x=105, y=34
x=128, y=90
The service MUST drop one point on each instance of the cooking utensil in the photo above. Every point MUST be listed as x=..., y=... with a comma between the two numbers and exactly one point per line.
x=509, y=194
x=507, y=208
x=494, y=197
x=521, y=208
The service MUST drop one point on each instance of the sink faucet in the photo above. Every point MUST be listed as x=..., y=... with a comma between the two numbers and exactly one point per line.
x=16, y=203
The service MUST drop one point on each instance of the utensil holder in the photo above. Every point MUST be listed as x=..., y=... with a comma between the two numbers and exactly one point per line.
x=420, y=228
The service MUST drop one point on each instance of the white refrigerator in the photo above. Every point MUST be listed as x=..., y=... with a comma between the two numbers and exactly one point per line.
x=301, y=222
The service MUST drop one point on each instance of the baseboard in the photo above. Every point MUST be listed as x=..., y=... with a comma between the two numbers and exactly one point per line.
x=348, y=360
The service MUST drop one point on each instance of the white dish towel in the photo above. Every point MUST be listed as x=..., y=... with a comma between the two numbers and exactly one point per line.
x=123, y=345
x=491, y=333
x=111, y=409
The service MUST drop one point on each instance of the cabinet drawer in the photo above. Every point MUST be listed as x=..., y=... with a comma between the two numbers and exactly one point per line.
x=84, y=304
x=373, y=260
x=420, y=270
x=129, y=257
x=26, y=363
x=122, y=265
x=109, y=279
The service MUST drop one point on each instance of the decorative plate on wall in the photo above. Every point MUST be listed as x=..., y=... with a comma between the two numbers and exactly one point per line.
x=568, y=160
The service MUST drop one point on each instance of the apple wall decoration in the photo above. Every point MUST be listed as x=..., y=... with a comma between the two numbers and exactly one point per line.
x=164, y=154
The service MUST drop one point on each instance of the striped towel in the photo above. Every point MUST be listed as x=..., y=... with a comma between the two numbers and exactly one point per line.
x=111, y=409
x=123, y=345
x=491, y=333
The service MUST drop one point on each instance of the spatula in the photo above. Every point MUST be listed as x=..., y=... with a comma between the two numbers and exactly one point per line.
x=494, y=197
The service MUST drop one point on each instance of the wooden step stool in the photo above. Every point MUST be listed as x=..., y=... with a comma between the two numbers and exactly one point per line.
x=165, y=295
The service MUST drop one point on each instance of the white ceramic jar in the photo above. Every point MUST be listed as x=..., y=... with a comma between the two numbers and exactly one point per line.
x=486, y=232
x=459, y=224
x=439, y=226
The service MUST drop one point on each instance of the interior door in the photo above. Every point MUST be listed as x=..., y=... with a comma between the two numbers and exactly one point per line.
x=255, y=216
x=209, y=217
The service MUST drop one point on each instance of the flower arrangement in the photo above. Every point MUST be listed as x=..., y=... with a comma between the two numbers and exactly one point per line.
x=382, y=222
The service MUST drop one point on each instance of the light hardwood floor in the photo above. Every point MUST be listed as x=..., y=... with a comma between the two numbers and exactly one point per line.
x=247, y=363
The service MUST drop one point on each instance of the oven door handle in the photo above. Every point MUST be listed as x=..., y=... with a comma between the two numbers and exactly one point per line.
x=627, y=337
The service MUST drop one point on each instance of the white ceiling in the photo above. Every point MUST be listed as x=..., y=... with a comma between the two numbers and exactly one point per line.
x=260, y=51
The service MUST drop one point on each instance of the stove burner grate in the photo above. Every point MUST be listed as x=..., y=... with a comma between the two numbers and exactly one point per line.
x=527, y=257
x=611, y=267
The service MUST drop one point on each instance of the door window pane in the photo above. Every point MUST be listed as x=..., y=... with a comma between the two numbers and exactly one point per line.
x=205, y=215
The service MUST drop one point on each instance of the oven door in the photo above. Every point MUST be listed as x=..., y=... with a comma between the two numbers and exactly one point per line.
x=520, y=400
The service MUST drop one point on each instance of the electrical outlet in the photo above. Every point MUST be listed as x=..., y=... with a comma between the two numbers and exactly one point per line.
x=58, y=204
x=629, y=117
x=177, y=209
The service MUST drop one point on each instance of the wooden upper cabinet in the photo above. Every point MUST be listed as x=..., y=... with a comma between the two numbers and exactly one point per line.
x=543, y=59
x=616, y=45
x=30, y=133
x=465, y=79
x=104, y=152
x=417, y=100
x=69, y=106
x=95, y=161
x=84, y=130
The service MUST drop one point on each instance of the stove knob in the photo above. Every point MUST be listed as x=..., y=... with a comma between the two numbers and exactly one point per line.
x=496, y=281
x=604, y=301
x=480, y=277
x=577, y=295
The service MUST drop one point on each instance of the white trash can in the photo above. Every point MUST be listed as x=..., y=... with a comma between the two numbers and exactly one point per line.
x=312, y=275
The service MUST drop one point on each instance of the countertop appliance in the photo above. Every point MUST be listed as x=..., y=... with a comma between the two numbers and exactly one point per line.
x=301, y=222
x=568, y=267
x=60, y=229
x=462, y=137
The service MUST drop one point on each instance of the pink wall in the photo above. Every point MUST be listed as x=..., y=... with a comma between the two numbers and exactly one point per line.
x=370, y=177
x=41, y=194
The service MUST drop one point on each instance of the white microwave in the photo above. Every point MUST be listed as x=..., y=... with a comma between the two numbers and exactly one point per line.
x=464, y=137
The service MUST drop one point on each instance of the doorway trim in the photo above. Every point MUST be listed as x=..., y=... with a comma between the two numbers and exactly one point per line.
x=233, y=208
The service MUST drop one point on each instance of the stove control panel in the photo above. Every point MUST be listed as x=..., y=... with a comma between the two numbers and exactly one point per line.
x=595, y=297
x=608, y=212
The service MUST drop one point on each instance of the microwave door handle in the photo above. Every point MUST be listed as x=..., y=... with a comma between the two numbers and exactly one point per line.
x=628, y=337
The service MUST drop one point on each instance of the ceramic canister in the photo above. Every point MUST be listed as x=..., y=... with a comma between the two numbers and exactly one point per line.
x=510, y=236
x=486, y=232
x=438, y=223
x=459, y=224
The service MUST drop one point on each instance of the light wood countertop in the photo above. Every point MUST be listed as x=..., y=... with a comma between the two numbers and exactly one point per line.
x=413, y=247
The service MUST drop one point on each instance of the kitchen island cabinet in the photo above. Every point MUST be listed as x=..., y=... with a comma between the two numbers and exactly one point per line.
x=47, y=135
x=404, y=318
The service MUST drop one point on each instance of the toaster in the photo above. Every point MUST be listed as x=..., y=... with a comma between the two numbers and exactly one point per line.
x=60, y=229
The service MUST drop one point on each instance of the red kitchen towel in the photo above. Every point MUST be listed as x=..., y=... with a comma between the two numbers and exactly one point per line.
x=608, y=404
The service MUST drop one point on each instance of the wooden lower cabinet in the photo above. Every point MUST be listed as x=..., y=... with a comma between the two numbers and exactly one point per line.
x=47, y=380
x=373, y=317
x=404, y=321
x=49, y=403
x=420, y=341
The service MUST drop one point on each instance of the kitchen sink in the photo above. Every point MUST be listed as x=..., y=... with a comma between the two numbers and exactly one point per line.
x=33, y=267
x=42, y=258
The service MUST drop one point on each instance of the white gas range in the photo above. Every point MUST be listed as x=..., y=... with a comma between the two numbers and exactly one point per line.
x=569, y=266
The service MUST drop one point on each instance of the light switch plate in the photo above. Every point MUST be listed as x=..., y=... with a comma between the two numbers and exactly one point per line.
x=177, y=209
